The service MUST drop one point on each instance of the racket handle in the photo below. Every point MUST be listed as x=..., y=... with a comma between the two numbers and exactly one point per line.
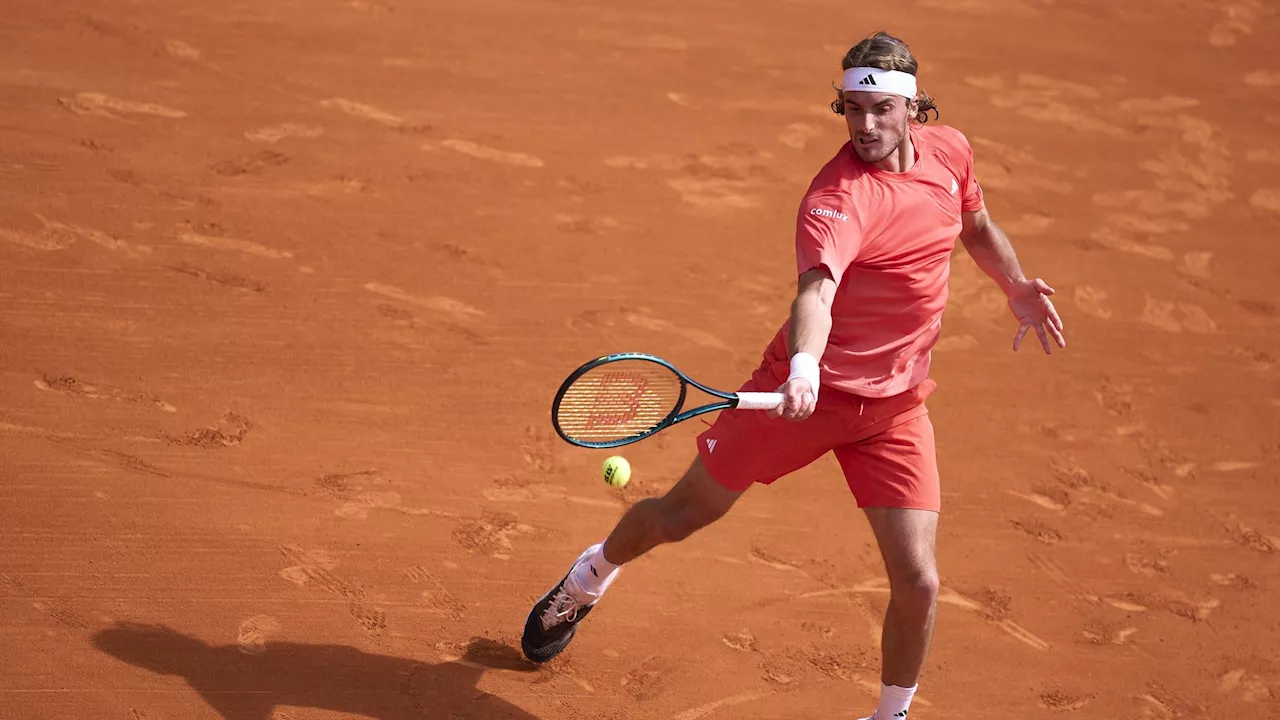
x=758, y=400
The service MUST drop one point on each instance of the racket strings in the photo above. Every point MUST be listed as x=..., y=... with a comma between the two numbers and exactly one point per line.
x=618, y=400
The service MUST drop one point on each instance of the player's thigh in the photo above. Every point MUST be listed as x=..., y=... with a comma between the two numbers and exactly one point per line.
x=746, y=447
x=907, y=538
x=896, y=469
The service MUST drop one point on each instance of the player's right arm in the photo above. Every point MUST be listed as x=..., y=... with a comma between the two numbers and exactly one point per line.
x=807, y=340
x=828, y=237
x=811, y=312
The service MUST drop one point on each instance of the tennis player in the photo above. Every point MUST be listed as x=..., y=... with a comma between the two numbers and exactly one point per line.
x=874, y=237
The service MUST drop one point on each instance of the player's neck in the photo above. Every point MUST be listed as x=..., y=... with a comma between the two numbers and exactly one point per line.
x=902, y=159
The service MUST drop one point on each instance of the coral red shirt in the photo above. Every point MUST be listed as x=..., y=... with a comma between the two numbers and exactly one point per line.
x=887, y=240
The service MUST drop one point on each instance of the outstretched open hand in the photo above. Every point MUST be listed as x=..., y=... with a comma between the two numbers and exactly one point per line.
x=1029, y=302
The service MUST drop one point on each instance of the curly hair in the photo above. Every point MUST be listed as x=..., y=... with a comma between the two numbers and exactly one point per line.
x=886, y=52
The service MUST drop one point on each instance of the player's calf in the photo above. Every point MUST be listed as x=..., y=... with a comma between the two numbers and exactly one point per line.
x=907, y=539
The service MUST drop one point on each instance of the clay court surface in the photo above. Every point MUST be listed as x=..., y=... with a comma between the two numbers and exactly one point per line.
x=286, y=289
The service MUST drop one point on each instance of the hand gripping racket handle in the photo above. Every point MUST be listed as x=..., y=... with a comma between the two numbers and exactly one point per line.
x=758, y=400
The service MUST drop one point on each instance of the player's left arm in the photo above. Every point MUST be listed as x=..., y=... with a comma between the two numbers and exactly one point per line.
x=991, y=250
x=1029, y=300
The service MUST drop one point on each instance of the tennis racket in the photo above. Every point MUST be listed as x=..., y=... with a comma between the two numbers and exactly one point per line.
x=623, y=398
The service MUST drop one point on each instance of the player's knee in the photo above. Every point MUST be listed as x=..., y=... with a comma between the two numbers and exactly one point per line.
x=694, y=503
x=674, y=528
x=916, y=591
x=686, y=517
x=678, y=526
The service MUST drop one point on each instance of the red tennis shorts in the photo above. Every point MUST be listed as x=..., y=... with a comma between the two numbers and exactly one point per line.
x=885, y=446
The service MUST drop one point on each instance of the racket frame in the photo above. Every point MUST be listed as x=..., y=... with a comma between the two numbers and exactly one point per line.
x=727, y=401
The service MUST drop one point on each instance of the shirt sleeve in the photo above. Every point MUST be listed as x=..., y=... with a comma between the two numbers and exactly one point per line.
x=828, y=233
x=972, y=199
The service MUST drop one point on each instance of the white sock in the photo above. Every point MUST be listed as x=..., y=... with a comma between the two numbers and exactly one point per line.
x=594, y=573
x=894, y=702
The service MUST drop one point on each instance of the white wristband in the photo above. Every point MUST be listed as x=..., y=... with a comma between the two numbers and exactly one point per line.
x=804, y=365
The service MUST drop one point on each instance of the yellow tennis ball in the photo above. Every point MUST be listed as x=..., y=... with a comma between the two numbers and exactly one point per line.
x=617, y=471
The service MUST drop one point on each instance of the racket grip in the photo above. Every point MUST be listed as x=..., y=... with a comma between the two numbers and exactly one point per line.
x=758, y=400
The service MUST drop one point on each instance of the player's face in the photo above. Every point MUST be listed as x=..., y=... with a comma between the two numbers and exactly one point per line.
x=877, y=123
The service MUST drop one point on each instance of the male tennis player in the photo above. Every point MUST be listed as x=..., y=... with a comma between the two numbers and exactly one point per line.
x=874, y=238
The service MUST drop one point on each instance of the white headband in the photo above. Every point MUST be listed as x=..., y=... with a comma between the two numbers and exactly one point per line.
x=894, y=82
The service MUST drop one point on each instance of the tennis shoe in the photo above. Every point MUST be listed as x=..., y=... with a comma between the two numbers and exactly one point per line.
x=554, y=619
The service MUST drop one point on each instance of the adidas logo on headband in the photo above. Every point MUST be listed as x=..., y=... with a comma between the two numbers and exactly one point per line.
x=867, y=79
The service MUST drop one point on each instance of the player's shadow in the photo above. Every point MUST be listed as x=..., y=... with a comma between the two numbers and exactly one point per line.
x=242, y=686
